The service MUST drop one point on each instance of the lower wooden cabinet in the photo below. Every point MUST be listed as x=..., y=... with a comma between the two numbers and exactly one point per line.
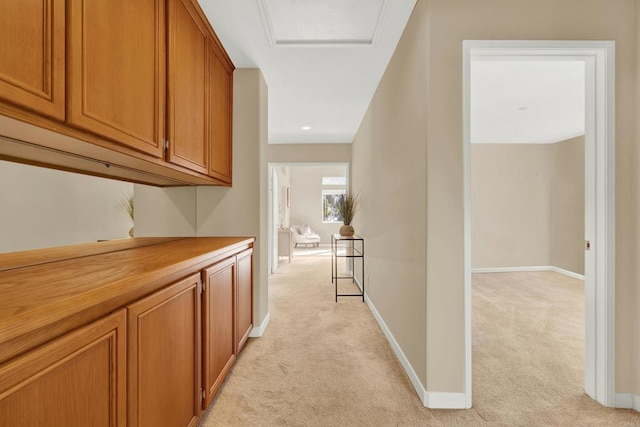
x=218, y=343
x=154, y=361
x=244, y=298
x=164, y=357
x=77, y=380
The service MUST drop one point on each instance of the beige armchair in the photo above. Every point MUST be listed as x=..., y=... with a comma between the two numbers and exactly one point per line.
x=303, y=234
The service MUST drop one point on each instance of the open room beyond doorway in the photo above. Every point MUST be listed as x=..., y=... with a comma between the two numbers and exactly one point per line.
x=599, y=195
x=300, y=194
x=527, y=233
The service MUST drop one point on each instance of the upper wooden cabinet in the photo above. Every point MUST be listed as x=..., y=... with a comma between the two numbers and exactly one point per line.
x=134, y=90
x=116, y=77
x=188, y=79
x=220, y=113
x=32, y=55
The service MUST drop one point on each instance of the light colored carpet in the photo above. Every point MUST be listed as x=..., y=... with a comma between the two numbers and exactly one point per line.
x=320, y=251
x=322, y=363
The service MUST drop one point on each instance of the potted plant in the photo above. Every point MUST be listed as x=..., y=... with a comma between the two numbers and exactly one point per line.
x=347, y=206
x=127, y=206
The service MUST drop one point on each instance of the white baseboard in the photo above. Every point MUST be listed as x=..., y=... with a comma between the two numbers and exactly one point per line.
x=413, y=377
x=259, y=330
x=432, y=400
x=511, y=269
x=628, y=401
x=528, y=269
x=568, y=273
x=435, y=400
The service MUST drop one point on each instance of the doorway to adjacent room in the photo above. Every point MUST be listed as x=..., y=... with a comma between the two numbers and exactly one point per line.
x=598, y=59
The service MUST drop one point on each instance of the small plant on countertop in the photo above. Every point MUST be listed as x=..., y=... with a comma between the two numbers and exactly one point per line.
x=127, y=206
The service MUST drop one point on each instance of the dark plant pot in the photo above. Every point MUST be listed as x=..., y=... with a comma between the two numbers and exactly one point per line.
x=346, y=230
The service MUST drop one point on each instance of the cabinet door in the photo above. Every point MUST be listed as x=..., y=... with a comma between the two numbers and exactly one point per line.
x=32, y=54
x=187, y=104
x=164, y=357
x=74, y=381
x=218, y=342
x=116, y=81
x=244, y=298
x=220, y=104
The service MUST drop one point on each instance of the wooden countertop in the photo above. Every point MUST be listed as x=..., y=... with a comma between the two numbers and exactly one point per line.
x=47, y=292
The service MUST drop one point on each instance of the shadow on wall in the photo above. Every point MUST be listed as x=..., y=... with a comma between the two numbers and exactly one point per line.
x=165, y=212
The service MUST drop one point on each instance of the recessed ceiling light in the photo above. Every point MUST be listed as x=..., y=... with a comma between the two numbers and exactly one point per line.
x=306, y=128
x=523, y=108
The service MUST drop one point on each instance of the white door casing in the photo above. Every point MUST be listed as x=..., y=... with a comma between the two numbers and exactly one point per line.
x=274, y=200
x=598, y=57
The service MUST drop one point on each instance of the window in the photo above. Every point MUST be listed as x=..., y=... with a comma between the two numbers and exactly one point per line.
x=334, y=180
x=330, y=200
x=333, y=188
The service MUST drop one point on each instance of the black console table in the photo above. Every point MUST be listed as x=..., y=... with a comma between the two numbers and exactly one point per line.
x=348, y=247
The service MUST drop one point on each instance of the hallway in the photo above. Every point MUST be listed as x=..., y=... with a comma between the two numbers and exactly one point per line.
x=325, y=364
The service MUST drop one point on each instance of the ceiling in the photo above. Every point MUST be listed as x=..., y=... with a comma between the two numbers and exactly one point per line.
x=322, y=59
x=529, y=101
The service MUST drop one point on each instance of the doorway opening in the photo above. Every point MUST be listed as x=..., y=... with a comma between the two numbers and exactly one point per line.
x=598, y=60
x=300, y=215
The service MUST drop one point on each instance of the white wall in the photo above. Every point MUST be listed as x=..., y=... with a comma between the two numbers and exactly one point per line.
x=447, y=25
x=511, y=205
x=305, y=153
x=306, y=197
x=389, y=155
x=242, y=209
x=46, y=208
x=418, y=104
x=568, y=206
x=222, y=211
x=527, y=205
x=167, y=212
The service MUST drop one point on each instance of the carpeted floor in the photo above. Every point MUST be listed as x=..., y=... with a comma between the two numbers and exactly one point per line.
x=319, y=251
x=322, y=363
